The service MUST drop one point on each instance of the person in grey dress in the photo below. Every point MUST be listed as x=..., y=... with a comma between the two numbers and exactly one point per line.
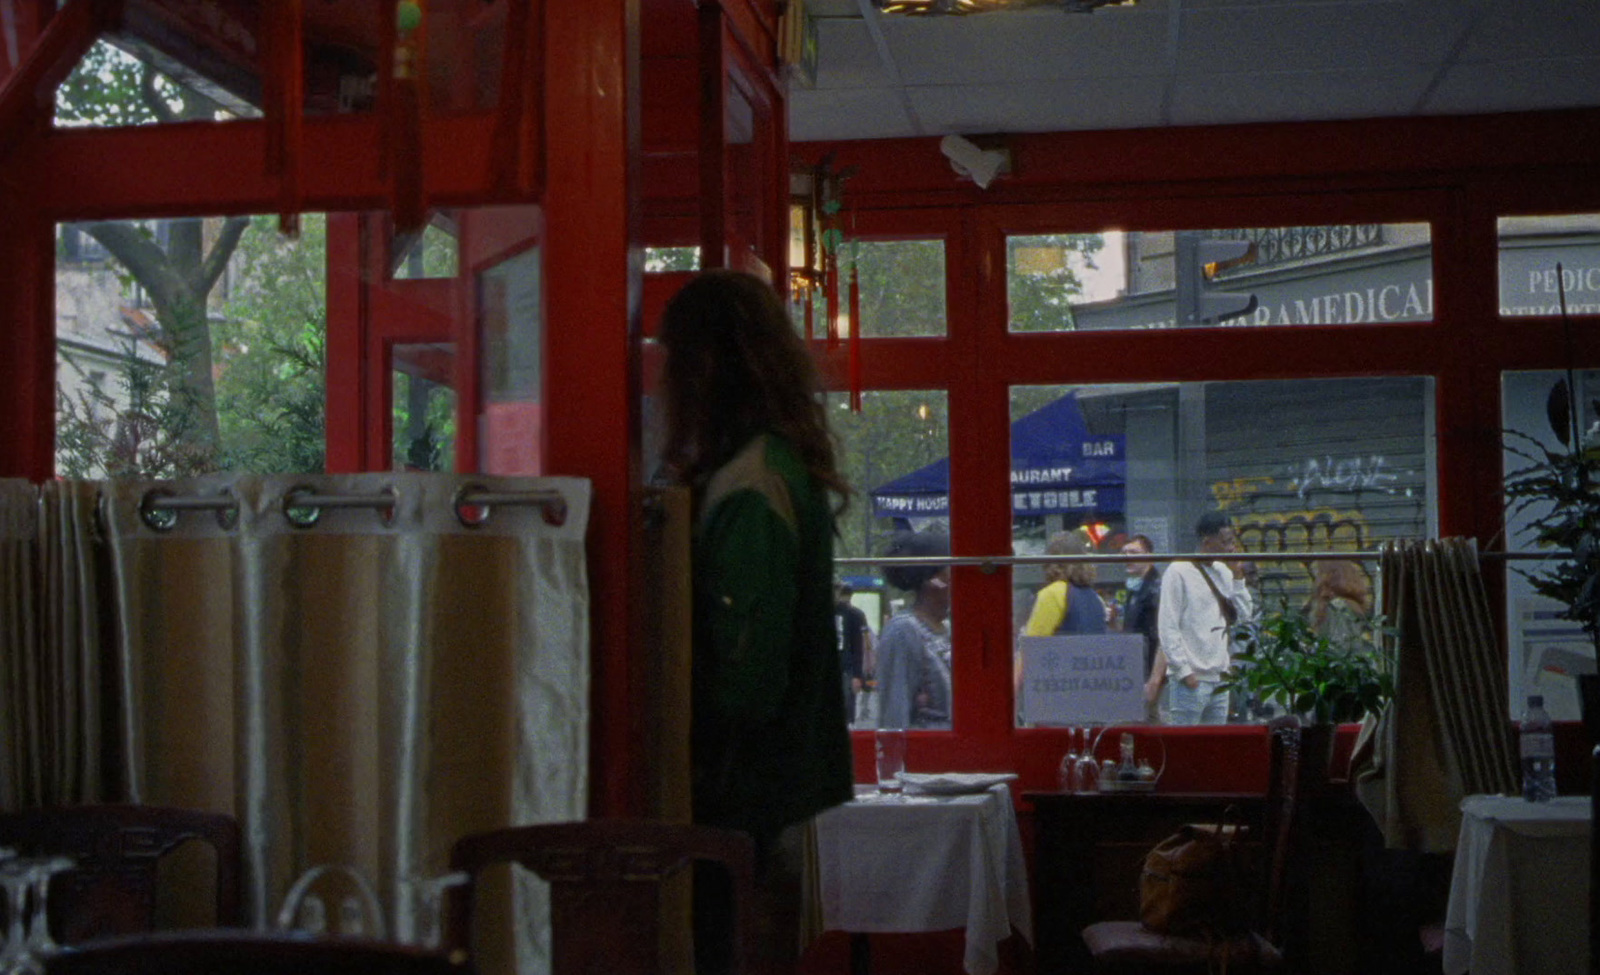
x=914, y=647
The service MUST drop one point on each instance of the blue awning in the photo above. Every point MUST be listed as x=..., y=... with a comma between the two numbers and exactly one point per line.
x=1056, y=468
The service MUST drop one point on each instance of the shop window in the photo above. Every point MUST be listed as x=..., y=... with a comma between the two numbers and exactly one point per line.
x=201, y=378
x=1545, y=649
x=892, y=452
x=1531, y=251
x=1277, y=276
x=1328, y=465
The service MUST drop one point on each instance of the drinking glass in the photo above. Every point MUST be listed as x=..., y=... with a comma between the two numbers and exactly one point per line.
x=16, y=878
x=1067, y=777
x=1087, y=774
x=891, y=747
x=40, y=943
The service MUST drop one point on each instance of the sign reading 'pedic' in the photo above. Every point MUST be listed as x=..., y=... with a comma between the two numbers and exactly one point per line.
x=1082, y=679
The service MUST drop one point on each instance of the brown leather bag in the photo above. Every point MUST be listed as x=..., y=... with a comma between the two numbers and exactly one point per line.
x=1194, y=882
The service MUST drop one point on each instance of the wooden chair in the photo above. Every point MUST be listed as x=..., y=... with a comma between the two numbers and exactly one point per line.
x=117, y=850
x=1126, y=947
x=235, y=952
x=605, y=881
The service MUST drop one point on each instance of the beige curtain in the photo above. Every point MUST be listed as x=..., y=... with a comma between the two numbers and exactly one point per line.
x=57, y=724
x=1447, y=735
x=361, y=690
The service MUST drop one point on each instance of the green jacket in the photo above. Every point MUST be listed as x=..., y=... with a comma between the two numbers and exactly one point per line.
x=770, y=742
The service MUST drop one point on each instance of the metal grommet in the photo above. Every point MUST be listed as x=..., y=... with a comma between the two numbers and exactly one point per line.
x=228, y=517
x=300, y=515
x=470, y=515
x=388, y=513
x=555, y=511
x=157, y=518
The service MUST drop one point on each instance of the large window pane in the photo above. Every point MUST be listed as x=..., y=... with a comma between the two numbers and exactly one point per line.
x=1333, y=275
x=166, y=371
x=894, y=452
x=1531, y=248
x=1333, y=465
x=902, y=287
x=1545, y=648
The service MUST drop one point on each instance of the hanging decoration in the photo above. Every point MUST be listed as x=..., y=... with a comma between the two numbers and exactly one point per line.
x=404, y=116
x=855, y=326
x=283, y=102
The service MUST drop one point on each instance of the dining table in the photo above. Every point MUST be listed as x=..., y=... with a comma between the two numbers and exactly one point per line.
x=1519, y=893
x=945, y=854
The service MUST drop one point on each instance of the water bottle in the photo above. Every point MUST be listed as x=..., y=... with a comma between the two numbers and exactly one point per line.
x=1538, y=752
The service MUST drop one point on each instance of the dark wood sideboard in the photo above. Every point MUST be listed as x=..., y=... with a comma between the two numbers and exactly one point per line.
x=1089, y=849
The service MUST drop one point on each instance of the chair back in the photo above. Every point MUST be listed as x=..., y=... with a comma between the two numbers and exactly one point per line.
x=210, y=951
x=117, y=851
x=605, y=881
x=1281, y=814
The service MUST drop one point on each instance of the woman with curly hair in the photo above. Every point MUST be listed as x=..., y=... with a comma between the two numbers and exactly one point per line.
x=747, y=433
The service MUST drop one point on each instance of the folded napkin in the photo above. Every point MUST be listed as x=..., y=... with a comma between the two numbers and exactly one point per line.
x=953, y=783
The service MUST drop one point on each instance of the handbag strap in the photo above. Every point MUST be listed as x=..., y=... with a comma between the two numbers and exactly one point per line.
x=1230, y=614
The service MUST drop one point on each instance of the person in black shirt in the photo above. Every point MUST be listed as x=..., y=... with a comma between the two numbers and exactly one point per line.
x=1142, y=615
x=855, y=646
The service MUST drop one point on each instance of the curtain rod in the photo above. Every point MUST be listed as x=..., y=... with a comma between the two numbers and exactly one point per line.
x=990, y=563
x=471, y=504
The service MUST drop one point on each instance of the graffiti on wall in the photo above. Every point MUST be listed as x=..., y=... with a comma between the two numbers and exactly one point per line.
x=1349, y=475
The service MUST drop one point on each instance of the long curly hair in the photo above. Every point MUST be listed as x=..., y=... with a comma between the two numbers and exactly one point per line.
x=735, y=368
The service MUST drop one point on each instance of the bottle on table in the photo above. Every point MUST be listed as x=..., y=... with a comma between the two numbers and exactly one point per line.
x=1538, y=746
x=1127, y=771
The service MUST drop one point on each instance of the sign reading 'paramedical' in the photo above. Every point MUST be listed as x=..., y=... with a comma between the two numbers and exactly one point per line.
x=1082, y=679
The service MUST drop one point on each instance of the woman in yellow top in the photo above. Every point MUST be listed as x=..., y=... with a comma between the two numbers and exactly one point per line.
x=1068, y=602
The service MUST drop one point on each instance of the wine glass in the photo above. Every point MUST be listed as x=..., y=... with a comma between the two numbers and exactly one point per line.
x=1068, y=774
x=1088, y=770
x=425, y=926
x=16, y=875
x=40, y=944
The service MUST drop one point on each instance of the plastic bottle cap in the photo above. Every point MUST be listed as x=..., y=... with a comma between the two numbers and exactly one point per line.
x=1535, y=700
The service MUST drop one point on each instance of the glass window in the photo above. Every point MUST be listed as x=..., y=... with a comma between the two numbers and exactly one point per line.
x=129, y=82
x=1531, y=248
x=166, y=371
x=512, y=329
x=902, y=286
x=1328, y=465
x=1545, y=648
x=424, y=406
x=434, y=253
x=667, y=260
x=1335, y=275
x=895, y=453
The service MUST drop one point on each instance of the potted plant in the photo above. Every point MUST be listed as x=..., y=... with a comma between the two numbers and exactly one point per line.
x=1328, y=676
x=1559, y=489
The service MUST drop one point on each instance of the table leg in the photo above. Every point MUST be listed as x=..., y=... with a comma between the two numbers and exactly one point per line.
x=860, y=954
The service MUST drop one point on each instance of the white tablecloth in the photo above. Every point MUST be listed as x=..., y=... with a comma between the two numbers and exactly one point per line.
x=1519, y=901
x=927, y=864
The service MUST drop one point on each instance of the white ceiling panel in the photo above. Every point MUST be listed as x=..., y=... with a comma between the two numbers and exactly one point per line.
x=1517, y=86
x=1317, y=36
x=1308, y=95
x=1535, y=29
x=1060, y=107
x=847, y=57
x=1038, y=47
x=1191, y=62
x=853, y=113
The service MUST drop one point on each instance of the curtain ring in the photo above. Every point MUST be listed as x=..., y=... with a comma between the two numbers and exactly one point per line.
x=156, y=517
x=470, y=515
x=300, y=515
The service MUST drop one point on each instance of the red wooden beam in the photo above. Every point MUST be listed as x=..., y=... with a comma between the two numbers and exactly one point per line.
x=25, y=96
